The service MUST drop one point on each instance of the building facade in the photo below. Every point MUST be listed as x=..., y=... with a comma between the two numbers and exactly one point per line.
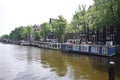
x=104, y=36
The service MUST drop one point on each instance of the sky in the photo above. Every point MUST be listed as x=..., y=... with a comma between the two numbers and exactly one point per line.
x=15, y=13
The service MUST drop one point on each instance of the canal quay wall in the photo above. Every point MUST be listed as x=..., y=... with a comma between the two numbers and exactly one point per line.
x=100, y=50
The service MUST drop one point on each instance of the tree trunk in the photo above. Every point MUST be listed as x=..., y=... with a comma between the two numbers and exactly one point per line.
x=45, y=38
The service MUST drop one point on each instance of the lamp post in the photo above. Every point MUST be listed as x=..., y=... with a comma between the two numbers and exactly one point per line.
x=111, y=70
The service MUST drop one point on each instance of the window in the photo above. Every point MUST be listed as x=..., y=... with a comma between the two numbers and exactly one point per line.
x=90, y=32
x=95, y=31
x=108, y=37
x=90, y=37
x=100, y=37
x=101, y=31
x=112, y=37
x=107, y=30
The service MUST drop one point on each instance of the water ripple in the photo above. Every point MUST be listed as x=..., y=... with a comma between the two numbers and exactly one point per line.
x=31, y=77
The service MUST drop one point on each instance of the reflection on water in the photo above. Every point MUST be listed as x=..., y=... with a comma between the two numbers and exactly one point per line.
x=55, y=60
x=30, y=63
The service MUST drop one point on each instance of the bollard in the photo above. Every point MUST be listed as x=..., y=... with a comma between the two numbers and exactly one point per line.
x=111, y=70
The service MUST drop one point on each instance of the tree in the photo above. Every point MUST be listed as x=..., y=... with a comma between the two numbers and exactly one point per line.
x=80, y=21
x=70, y=28
x=21, y=33
x=16, y=34
x=45, y=29
x=106, y=13
x=5, y=36
x=59, y=26
x=91, y=17
x=24, y=33
x=29, y=32
x=37, y=35
x=80, y=18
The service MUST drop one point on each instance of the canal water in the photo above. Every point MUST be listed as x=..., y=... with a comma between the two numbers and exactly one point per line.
x=30, y=63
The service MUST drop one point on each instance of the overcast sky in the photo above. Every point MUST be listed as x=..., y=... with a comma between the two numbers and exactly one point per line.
x=15, y=13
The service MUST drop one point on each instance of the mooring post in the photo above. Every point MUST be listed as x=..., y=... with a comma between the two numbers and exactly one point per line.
x=111, y=70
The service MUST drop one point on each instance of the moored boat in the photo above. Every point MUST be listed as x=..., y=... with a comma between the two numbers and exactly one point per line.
x=103, y=50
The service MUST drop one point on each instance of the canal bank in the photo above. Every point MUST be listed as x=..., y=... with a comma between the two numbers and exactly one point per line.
x=90, y=49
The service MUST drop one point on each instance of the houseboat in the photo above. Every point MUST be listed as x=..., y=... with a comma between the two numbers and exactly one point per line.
x=102, y=50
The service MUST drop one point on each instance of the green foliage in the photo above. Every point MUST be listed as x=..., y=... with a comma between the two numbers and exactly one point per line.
x=103, y=13
x=21, y=33
x=70, y=28
x=45, y=29
x=16, y=34
x=80, y=19
x=91, y=15
x=106, y=13
x=29, y=31
x=4, y=36
x=59, y=26
x=37, y=35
